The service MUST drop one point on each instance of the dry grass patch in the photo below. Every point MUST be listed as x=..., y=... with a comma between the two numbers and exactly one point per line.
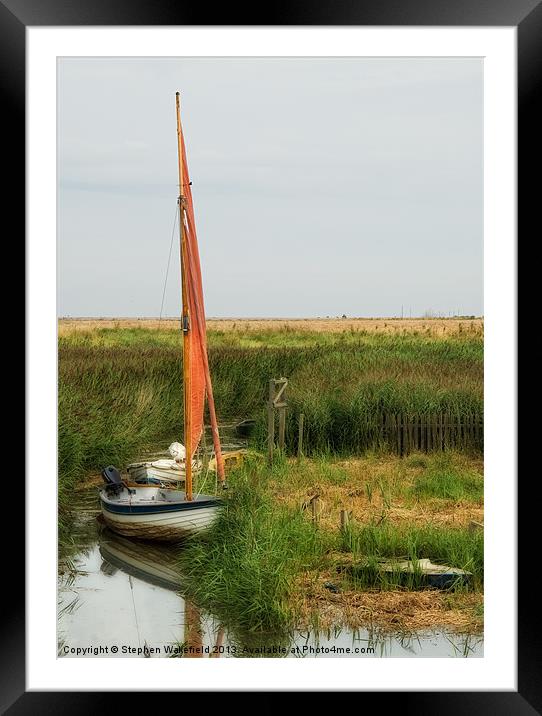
x=378, y=488
x=398, y=610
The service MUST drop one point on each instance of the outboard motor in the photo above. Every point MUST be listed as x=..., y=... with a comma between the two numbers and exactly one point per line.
x=111, y=477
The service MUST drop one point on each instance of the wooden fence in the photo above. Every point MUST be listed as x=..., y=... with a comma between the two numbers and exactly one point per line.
x=425, y=433
x=395, y=432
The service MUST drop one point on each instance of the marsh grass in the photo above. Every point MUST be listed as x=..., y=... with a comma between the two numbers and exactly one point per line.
x=247, y=568
x=444, y=480
x=120, y=389
x=244, y=568
x=120, y=392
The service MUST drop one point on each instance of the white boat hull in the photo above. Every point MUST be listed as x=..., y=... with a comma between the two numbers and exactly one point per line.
x=162, y=471
x=157, y=514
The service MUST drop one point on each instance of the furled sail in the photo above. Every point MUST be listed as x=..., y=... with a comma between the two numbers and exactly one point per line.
x=199, y=383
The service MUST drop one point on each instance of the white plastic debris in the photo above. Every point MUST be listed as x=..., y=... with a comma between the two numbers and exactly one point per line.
x=177, y=451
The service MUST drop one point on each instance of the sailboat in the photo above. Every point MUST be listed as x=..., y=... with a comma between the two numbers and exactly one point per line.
x=158, y=512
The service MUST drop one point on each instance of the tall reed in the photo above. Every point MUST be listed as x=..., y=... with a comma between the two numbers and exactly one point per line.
x=120, y=390
x=244, y=568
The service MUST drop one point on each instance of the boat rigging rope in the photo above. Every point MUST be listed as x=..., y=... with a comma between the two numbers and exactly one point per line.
x=168, y=261
x=135, y=612
x=200, y=487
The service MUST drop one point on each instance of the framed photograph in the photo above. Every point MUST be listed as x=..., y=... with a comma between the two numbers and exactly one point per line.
x=272, y=316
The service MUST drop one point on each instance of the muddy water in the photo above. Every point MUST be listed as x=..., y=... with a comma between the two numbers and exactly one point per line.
x=120, y=597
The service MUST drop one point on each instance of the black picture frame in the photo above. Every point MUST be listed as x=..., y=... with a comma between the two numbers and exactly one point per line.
x=526, y=15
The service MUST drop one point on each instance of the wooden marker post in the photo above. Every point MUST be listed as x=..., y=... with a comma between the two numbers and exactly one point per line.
x=276, y=401
x=271, y=422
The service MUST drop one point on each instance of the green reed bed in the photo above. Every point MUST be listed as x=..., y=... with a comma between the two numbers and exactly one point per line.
x=113, y=402
x=350, y=422
x=121, y=389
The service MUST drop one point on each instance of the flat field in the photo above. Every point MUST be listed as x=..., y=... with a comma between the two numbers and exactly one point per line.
x=433, y=326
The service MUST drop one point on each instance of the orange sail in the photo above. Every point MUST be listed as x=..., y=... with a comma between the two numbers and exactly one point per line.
x=197, y=377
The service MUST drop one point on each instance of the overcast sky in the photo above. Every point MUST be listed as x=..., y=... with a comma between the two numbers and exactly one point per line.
x=321, y=187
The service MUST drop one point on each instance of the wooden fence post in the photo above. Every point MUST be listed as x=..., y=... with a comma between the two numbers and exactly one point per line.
x=314, y=509
x=422, y=433
x=387, y=431
x=300, y=436
x=282, y=428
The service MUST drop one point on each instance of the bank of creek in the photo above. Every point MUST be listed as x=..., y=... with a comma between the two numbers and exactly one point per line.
x=120, y=597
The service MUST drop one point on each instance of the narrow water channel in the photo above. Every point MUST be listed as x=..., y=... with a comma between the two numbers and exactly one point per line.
x=120, y=597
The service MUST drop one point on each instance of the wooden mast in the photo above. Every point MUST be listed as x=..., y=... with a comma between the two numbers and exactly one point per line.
x=185, y=315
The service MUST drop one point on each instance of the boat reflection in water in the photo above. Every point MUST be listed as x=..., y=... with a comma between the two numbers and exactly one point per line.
x=147, y=562
x=156, y=565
